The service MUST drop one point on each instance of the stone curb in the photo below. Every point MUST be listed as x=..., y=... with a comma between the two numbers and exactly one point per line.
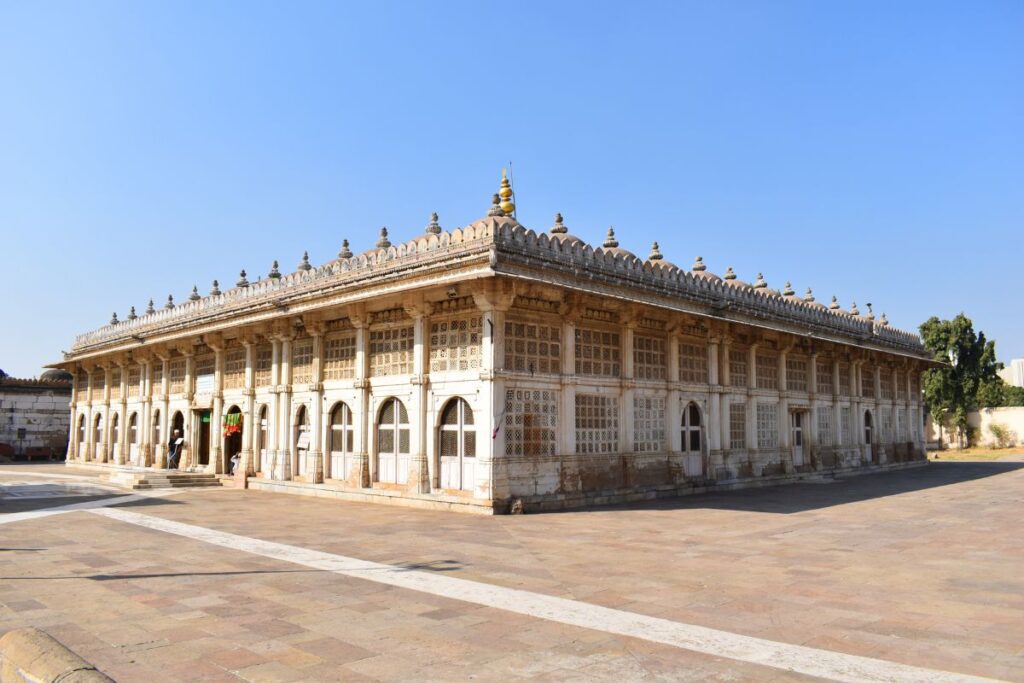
x=33, y=656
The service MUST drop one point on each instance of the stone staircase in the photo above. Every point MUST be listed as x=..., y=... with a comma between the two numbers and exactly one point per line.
x=169, y=480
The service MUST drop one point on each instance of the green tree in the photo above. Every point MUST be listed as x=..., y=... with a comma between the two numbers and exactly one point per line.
x=969, y=369
x=1013, y=396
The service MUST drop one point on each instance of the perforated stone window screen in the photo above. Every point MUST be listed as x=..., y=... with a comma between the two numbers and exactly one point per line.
x=115, y=385
x=302, y=361
x=649, y=357
x=531, y=422
x=532, y=348
x=867, y=382
x=264, y=364
x=134, y=378
x=901, y=386
x=737, y=425
x=767, y=371
x=340, y=357
x=885, y=379
x=205, y=364
x=158, y=375
x=825, y=425
x=915, y=384
x=796, y=373
x=886, y=419
x=693, y=363
x=846, y=414
x=391, y=351
x=844, y=379
x=597, y=423
x=767, y=426
x=234, y=369
x=97, y=384
x=176, y=375
x=824, y=372
x=914, y=427
x=737, y=367
x=648, y=424
x=598, y=352
x=455, y=344
x=901, y=424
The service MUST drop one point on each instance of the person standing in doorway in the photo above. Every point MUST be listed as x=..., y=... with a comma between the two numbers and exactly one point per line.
x=174, y=450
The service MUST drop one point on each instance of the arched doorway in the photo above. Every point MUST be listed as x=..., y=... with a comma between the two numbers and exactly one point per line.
x=262, y=437
x=80, y=445
x=456, y=449
x=157, y=434
x=232, y=437
x=133, y=438
x=115, y=433
x=692, y=440
x=796, y=426
x=300, y=442
x=341, y=440
x=176, y=439
x=97, y=436
x=869, y=433
x=393, y=443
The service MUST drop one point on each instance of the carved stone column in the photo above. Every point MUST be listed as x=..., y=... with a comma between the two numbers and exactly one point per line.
x=364, y=470
x=105, y=446
x=419, y=468
x=71, y=452
x=165, y=408
x=121, y=456
x=246, y=466
x=315, y=455
x=284, y=469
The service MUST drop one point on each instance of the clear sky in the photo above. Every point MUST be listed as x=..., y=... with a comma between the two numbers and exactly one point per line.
x=871, y=150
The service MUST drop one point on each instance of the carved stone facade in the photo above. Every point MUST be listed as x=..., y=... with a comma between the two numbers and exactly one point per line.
x=492, y=363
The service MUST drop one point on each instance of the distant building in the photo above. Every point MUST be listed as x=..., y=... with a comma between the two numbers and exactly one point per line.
x=1013, y=373
x=34, y=415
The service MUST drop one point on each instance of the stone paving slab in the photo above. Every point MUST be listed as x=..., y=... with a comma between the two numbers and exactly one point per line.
x=919, y=567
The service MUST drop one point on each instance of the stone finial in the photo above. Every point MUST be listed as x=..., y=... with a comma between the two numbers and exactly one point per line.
x=788, y=289
x=304, y=263
x=853, y=308
x=495, y=209
x=730, y=274
x=113, y=318
x=834, y=306
x=383, y=242
x=871, y=313
x=559, y=227
x=609, y=241
x=808, y=295
x=506, y=195
x=760, y=283
x=274, y=272
x=698, y=265
x=433, y=227
x=655, y=253
x=194, y=296
x=215, y=289
x=242, y=281
x=150, y=309
x=131, y=313
x=344, y=252
x=170, y=302
x=883, y=321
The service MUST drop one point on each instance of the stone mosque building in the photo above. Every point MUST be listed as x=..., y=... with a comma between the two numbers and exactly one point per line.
x=494, y=366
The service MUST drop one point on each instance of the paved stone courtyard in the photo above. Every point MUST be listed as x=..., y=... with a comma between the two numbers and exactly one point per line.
x=923, y=568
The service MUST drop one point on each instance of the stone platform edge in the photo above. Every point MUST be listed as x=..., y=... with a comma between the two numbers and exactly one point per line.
x=28, y=654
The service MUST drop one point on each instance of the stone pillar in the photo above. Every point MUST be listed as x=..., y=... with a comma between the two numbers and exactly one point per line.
x=122, y=421
x=752, y=445
x=366, y=467
x=88, y=453
x=419, y=468
x=70, y=454
x=713, y=428
x=165, y=409
x=837, y=411
x=217, y=464
x=673, y=408
x=315, y=454
x=567, y=432
x=626, y=426
x=725, y=380
x=247, y=467
x=105, y=446
x=785, y=430
x=488, y=482
x=188, y=452
x=283, y=464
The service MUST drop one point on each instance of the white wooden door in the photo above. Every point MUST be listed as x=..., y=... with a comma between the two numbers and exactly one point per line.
x=693, y=462
x=341, y=442
x=393, y=443
x=796, y=420
x=457, y=446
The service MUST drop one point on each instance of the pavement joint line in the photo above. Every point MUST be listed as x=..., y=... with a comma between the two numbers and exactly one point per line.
x=76, y=507
x=717, y=643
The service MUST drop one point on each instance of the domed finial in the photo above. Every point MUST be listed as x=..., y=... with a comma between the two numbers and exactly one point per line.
x=730, y=274
x=150, y=309
x=788, y=289
x=853, y=308
x=304, y=263
x=215, y=289
x=883, y=321
x=871, y=313
x=834, y=306
x=760, y=283
x=609, y=241
x=274, y=272
x=345, y=251
x=506, y=195
x=113, y=318
x=383, y=242
x=559, y=228
x=809, y=295
x=655, y=253
x=242, y=282
x=698, y=265
x=170, y=302
x=495, y=206
x=194, y=296
x=131, y=313
x=433, y=227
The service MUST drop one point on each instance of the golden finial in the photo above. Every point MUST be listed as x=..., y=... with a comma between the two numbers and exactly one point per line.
x=506, y=194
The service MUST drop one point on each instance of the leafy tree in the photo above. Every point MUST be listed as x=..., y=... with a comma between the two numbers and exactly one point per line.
x=1013, y=396
x=968, y=376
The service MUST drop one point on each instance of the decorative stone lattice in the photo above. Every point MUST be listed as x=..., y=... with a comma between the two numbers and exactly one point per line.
x=532, y=348
x=340, y=357
x=391, y=351
x=648, y=424
x=767, y=426
x=455, y=344
x=597, y=423
x=531, y=422
x=649, y=358
x=693, y=363
x=598, y=353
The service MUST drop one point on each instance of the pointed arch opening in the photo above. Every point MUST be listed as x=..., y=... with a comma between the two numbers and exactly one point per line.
x=341, y=440
x=393, y=442
x=456, y=446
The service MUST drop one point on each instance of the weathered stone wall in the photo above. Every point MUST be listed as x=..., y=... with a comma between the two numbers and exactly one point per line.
x=42, y=411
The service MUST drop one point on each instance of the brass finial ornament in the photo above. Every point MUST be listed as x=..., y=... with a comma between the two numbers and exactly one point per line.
x=383, y=242
x=345, y=252
x=506, y=195
x=433, y=227
x=559, y=227
x=655, y=253
x=609, y=241
x=730, y=274
x=113, y=318
x=274, y=272
x=495, y=209
x=215, y=289
x=131, y=313
x=194, y=296
x=170, y=302
x=698, y=265
x=150, y=309
x=304, y=263
x=788, y=289
x=809, y=295
x=834, y=306
x=242, y=281
x=760, y=283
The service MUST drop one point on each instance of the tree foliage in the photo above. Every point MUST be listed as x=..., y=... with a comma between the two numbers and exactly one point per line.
x=968, y=376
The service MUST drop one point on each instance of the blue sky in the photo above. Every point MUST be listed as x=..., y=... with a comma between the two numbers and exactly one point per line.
x=872, y=150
